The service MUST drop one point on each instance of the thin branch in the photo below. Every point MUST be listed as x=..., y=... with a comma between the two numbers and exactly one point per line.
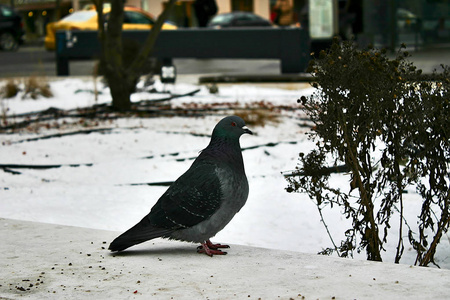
x=328, y=231
x=400, y=246
x=41, y=167
x=59, y=135
x=151, y=39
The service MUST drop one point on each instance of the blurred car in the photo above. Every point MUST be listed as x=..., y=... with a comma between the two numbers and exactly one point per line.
x=406, y=20
x=134, y=19
x=11, y=29
x=238, y=19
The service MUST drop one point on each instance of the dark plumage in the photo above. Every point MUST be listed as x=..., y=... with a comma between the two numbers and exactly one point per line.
x=201, y=201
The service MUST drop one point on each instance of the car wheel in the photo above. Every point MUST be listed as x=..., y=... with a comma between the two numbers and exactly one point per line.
x=8, y=42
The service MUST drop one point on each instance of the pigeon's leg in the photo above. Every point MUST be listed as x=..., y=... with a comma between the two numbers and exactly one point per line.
x=211, y=249
x=215, y=246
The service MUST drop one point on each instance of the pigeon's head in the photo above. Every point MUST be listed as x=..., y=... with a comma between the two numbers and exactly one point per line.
x=232, y=127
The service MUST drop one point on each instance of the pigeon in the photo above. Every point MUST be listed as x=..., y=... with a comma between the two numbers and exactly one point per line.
x=203, y=200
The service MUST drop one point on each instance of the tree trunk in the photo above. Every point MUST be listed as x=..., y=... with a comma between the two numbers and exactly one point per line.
x=121, y=76
x=120, y=92
x=147, y=48
x=112, y=62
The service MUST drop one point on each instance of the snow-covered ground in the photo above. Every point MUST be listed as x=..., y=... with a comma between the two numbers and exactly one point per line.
x=99, y=193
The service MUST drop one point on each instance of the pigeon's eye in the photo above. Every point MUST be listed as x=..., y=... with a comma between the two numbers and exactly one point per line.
x=233, y=124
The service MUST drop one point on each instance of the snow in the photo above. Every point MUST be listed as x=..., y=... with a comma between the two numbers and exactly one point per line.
x=98, y=194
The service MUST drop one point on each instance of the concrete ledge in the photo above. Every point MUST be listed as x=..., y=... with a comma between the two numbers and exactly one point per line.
x=42, y=261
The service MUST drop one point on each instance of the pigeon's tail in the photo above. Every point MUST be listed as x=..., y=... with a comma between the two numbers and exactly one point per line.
x=139, y=233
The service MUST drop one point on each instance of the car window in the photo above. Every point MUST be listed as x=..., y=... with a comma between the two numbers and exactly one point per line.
x=220, y=19
x=256, y=18
x=244, y=17
x=80, y=16
x=6, y=12
x=133, y=17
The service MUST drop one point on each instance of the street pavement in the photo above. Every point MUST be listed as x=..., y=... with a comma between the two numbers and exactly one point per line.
x=33, y=60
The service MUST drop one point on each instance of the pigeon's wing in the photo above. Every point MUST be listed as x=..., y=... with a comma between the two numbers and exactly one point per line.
x=191, y=199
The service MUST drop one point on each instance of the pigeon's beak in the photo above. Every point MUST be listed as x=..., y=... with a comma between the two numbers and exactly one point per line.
x=246, y=130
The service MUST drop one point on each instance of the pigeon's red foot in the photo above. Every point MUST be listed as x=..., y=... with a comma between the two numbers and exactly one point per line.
x=211, y=249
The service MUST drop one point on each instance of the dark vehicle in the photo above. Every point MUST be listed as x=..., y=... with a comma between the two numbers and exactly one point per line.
x=238, y=19
x=11, y=29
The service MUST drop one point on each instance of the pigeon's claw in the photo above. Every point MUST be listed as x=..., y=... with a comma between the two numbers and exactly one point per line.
x=211, y=249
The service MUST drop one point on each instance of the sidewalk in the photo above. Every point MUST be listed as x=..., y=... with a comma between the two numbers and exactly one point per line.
x=43, y=261
x=426, y=59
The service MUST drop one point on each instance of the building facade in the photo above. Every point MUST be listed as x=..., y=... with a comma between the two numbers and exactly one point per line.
x=37, y=13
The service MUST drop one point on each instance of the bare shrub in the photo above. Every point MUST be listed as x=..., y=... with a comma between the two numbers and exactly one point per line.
x=364, y=99
x=10, y=90
x=37, y=86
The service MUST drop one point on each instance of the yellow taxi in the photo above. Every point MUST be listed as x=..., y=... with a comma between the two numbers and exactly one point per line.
x=134, y=19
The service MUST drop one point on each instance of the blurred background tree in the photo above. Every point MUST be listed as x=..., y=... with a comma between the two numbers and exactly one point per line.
x=121, y=69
